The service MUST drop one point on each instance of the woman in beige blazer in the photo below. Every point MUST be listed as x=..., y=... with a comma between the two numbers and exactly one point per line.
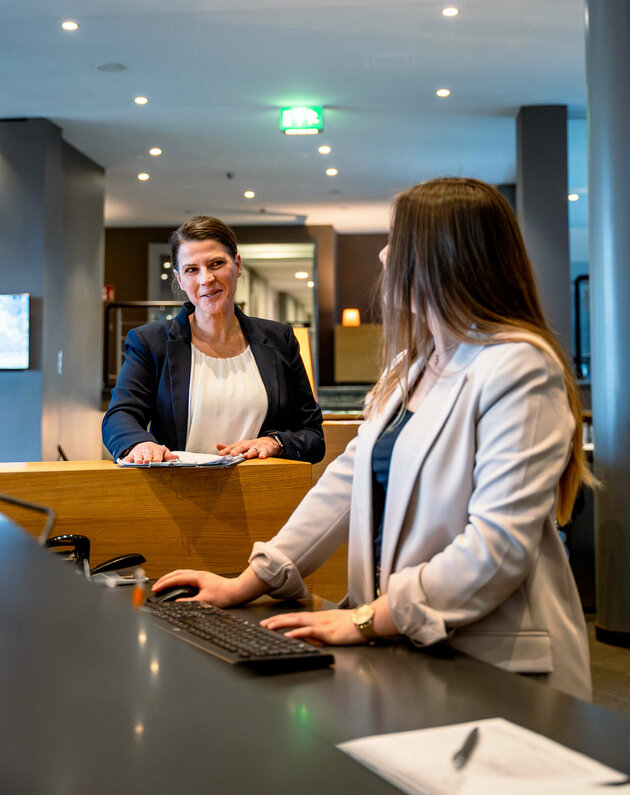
x=470, y=450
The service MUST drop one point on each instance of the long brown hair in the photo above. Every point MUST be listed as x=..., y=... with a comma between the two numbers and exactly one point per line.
x=455, y=249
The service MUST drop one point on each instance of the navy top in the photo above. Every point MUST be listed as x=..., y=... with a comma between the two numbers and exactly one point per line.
x=381, y=460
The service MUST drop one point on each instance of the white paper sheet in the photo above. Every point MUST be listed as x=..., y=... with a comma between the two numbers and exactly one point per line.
x=185, y=459
x=508, y=760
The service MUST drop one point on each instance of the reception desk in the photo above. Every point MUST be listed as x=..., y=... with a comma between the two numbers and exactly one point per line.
x=98, y=699
x=177, y=518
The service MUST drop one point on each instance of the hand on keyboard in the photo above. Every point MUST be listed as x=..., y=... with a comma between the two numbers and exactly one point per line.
x=333, y=627
x=235, y=640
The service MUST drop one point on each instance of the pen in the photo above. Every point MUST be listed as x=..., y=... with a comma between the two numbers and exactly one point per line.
x=462, y=756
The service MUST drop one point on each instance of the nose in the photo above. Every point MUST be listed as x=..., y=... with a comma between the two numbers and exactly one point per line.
x=206, y=275
x=383, y=255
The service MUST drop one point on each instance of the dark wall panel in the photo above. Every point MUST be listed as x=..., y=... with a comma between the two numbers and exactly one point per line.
x=357, y=274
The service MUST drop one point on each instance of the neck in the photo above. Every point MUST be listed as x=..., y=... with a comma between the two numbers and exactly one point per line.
x=219, y=328
x=444, y=349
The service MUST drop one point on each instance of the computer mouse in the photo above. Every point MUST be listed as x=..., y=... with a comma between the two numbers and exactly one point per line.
x=173, y=593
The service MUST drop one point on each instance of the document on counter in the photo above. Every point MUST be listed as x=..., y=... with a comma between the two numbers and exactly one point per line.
x=185, y=459
x=504, y=758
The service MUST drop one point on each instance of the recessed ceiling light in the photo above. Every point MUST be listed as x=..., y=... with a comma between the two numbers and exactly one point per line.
x=301, y=275
x=249, y=194
x=310, y=284
x=155, y=151
x=451, y=11
x=164, y=276
x=331, y=172
x=166, y=265
x=70, y=24
x=443, y=92
x=573, y=197
x=143, y=177
x=140, y=100
x=324, y=150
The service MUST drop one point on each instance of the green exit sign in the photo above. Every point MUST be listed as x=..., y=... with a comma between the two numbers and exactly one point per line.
x=302, y=121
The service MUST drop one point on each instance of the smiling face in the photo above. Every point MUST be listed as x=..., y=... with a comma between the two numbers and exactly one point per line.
x=208, y=275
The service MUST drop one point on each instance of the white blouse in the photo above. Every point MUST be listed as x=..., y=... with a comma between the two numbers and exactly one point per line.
x=227, y=401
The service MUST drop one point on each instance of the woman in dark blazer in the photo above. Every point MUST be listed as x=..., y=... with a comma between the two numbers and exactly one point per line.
x=153, y=388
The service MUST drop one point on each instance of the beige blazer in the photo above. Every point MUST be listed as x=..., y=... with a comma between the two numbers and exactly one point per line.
x=470, y=555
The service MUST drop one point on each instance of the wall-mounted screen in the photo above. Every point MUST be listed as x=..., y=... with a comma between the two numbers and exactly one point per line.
x=14, y=317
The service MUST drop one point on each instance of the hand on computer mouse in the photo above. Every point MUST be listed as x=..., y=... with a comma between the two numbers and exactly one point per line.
x=214, y=589
x=175, y=593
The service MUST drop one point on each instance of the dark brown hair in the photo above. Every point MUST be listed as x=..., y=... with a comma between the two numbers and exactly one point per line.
x=456, y=251
x=202, y=227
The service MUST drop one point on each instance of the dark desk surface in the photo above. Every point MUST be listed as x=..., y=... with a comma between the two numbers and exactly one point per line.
x=97, y=699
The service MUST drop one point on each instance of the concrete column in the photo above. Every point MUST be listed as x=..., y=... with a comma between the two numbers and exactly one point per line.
x=30, y=216
x=541, y=205
x=608, y=117
x=51, y=231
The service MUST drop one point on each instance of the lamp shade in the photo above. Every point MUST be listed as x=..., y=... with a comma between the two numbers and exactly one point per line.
x=351, y=317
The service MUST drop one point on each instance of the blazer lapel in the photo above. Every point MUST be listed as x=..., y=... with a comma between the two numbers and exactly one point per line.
x=360, y=551
x=179, y=353
x=266, y=357
x=415, y=442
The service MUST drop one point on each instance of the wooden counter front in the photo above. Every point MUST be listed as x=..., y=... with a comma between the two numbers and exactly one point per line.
x=193, y=517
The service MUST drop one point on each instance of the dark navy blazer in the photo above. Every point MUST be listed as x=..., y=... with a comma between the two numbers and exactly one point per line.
x=153, y=385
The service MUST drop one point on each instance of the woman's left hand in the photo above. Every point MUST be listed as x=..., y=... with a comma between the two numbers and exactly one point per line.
x=333, y=627
x=263, y=447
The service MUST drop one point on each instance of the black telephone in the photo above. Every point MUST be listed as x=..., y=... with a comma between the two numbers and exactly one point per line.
x=123, y=564
x=79, y=554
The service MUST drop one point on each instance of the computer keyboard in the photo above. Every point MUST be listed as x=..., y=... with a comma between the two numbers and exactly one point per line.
x=236, y=640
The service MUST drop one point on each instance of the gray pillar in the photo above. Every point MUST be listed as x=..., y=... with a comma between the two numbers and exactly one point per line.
x=541, y=204
x=608, y=116
x=30, y=215
x=51, y=230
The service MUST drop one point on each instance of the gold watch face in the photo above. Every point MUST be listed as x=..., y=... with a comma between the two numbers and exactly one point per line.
x=363, y=615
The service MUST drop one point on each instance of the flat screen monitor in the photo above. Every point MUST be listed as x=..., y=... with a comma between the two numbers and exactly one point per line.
x=14, y=321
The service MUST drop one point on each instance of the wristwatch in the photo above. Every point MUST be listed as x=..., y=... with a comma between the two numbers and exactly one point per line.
x=273, y=435
x=363, y=620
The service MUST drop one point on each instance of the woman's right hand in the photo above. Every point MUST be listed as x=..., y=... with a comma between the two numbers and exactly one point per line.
x=214, y=589
x=146, y=452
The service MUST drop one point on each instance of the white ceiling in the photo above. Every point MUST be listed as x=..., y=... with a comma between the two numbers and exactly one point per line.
x=216, y=73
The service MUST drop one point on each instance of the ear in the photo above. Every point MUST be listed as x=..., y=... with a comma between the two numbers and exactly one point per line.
x=239, y=267
x=179, y=281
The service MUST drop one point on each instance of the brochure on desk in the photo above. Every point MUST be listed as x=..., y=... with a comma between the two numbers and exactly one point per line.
x=185, y=459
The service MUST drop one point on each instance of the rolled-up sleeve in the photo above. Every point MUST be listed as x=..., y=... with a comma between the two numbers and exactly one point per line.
x=317, y=527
